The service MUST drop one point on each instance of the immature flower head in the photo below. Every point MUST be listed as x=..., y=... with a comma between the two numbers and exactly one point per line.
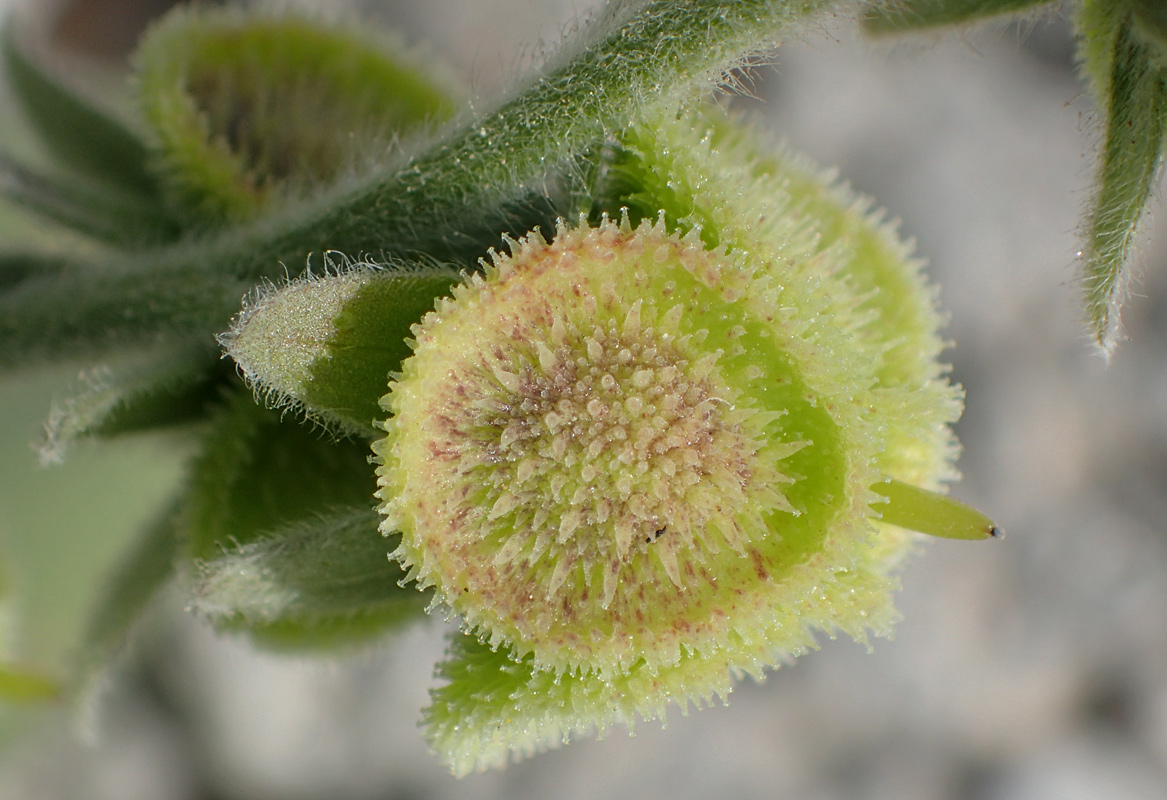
x=250, y=109
x=604, y=444
x=646, y=456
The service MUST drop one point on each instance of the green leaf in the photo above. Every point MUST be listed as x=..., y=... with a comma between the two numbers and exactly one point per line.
x=369, y=342
x=899, y=16
x=106, y=214
x=78, y=133
x=281, y=525
x=637, y=57
x=320, y=582
x=1136, y=136
x=259, y=472
x=160, y=387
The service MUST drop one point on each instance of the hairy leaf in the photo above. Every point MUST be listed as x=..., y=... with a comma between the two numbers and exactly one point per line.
x=108, y=215
x=158, y=387
x=321, y=581
x=281, y=527
x=1136, y=135
x=79, y=134
x=260, y=472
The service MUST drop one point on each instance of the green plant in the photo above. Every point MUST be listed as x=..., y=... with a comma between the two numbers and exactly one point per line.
x=638, y=456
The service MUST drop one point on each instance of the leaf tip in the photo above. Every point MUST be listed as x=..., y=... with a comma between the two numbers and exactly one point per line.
x=282, y=331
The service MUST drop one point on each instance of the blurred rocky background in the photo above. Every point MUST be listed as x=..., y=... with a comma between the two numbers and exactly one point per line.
x=1034, y=668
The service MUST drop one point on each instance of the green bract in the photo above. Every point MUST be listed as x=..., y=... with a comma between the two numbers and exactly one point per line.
x=638, y=459
x=1124, y=58
x=324, y=345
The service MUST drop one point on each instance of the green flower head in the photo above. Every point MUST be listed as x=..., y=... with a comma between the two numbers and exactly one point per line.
x=654, y=454
x=613, y=462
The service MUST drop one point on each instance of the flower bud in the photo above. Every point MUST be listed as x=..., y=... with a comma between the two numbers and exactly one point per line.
x=325, y=345
x=250, y=109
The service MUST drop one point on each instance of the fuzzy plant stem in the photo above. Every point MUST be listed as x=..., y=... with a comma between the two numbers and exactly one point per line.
x=636, y=56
